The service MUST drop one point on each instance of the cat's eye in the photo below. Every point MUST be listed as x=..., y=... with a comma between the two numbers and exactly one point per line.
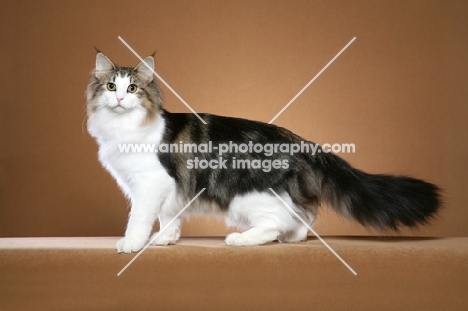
x=111, y=87
x=132, y=88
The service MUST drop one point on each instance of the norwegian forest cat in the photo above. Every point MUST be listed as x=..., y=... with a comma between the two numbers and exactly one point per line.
x=125, y=107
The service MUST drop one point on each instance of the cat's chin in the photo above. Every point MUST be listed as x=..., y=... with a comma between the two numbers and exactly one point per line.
x=119, y=109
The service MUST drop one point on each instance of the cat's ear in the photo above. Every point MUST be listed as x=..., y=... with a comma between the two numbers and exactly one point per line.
x=145, y=69
x=103, y=65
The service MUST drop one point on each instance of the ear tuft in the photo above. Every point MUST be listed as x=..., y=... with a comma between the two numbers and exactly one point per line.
x=103, y=65
x=145, y=69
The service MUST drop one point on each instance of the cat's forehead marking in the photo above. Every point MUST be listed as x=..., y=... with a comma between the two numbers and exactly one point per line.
x=122, y=80
x=124, y=73
x=121, y=75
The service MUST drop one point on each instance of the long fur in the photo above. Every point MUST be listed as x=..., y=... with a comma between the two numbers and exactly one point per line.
x=159, y=185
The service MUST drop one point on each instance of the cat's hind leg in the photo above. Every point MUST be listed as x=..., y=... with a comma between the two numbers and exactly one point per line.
x=266, y=217
x=253, y=236
x=301, y=231
x=297, y=235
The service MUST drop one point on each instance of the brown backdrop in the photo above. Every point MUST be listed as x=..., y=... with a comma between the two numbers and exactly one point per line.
x=399, y=92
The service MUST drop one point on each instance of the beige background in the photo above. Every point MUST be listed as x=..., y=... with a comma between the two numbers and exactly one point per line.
x=399, y=92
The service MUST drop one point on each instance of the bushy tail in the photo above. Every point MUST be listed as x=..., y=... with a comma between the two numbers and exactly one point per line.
x=380, y=201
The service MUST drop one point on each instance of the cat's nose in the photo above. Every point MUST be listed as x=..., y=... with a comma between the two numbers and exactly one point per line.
x=119, y=99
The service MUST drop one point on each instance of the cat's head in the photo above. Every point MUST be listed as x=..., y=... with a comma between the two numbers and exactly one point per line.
x=121, y=90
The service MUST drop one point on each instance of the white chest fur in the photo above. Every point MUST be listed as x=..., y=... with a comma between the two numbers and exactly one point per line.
x=112, y=131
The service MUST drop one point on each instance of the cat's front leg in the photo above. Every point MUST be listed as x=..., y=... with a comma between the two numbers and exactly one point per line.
x=146, y=203
x=169, y=230
x=140, y=224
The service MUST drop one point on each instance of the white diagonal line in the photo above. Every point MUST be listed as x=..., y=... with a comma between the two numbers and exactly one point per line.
x=161, y=231
x=313, y=231
x=311, y=81
x=161, y=79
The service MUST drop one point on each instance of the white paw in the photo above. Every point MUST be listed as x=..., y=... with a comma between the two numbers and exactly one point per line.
x=240, y=239
x=128, y=245
x=164, y=239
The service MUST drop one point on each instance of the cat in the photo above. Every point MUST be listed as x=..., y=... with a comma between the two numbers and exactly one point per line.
x=124, y=105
